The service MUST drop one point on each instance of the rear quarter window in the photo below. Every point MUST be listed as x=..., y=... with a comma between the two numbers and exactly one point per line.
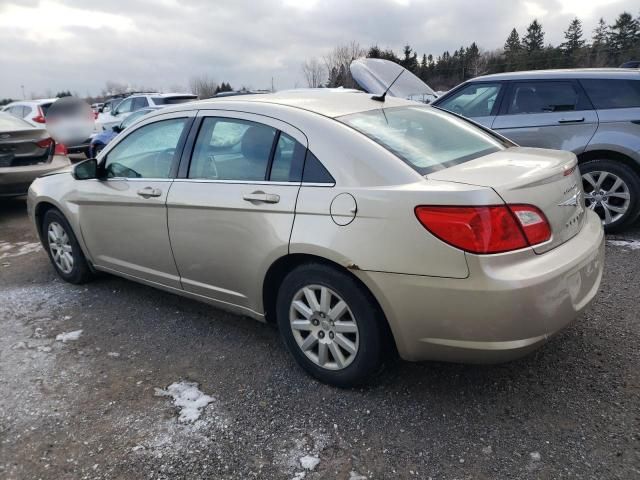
x=607, y=93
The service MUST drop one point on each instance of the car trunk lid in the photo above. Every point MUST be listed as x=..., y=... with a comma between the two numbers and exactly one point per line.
x=19, y=148
x=547, y=179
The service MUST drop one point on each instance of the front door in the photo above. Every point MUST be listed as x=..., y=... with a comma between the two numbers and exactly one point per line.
x=123, y=216
x=232, y=214
x=547, y=114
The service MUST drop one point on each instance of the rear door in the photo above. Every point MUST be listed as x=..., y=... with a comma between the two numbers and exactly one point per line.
x=231, y=212
x=123, y=216
x=478, y=101
x=547, y=114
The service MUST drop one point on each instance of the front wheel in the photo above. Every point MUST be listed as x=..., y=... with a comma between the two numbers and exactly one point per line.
x=331, y=325
x=63, y=248
x=612, y=190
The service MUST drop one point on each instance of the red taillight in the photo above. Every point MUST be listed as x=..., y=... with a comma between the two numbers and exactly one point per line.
x=486, y=229
x=45, y=143
x=61, y=149
x=40, y=117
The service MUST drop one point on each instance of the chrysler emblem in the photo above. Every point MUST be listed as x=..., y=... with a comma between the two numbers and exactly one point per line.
x=572, y=201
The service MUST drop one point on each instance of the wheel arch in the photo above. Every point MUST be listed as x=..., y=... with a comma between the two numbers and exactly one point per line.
x=287, y=263
x=603, y=154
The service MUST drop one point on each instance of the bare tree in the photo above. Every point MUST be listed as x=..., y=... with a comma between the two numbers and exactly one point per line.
x=114, y=88
x=314, y=73
x=203, y=86
x=337, y=64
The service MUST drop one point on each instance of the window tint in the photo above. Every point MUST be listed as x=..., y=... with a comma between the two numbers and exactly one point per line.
x=543, y=97
x=474, y=100
x=138, y=103
x=174, y=100
x=427, y=139
x=613, y=93
x=288, y=159
x=314, y=171
x=230, y=149
x=147, y=152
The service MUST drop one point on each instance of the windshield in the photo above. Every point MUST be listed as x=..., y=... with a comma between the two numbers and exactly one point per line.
x=425, y=138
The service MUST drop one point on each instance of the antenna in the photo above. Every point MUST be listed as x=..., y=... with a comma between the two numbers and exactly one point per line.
x=380, y=98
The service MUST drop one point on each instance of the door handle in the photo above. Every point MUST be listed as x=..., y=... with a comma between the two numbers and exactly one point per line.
x=261, y=197
x=148, y=192
x=571, y=120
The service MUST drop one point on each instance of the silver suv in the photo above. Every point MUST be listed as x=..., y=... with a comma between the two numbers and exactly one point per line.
x=595, y=113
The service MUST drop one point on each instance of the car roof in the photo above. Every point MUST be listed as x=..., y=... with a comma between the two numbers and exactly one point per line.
x=326, y=102
x=37, y=101
x=608, y=73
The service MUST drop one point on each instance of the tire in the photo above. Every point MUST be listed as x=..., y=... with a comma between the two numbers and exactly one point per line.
x=607, y=172
x=58, y=240
x=337, y=366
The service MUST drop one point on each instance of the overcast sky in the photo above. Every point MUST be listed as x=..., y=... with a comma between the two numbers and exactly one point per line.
x=80, y=44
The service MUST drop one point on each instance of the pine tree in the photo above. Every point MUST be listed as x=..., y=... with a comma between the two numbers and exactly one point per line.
x=534, y=39
x=573, y=37
x=600, y=34
x=624, y=33
x=512, y=45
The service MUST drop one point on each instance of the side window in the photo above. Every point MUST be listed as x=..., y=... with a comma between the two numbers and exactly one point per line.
x=26, y=111
x=138, y=103
x=474, y=100
x=231, y=149
x=125, y=106
x=605, y=93
x=288, y=159
x=544, y=97
x=314, y=171
x=148, y=152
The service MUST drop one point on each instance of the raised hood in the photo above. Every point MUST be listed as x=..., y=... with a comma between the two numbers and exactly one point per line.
x=547, y=179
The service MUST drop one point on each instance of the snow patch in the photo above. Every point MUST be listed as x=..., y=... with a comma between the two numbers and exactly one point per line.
x=69, y=336
x=357, y=476
x=299, y=476
x=10, y=250
x=535, y=456
x=188, y=398
x=309, y=462
x=630, y=244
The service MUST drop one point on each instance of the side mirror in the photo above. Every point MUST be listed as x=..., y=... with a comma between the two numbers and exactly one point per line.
x=117, y=128
x=86, y=170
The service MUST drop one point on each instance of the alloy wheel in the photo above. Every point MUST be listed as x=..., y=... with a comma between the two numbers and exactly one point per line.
x=606, y=194
x=324, y=327
x=60, y=247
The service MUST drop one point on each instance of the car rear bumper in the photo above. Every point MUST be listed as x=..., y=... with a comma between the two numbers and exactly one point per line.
x=508, y=306
x=15, y=181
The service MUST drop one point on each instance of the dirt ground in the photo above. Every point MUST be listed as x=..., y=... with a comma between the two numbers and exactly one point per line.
x=98, y=406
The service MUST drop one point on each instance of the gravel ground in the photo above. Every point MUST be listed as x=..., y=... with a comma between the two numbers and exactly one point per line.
x=100, y=403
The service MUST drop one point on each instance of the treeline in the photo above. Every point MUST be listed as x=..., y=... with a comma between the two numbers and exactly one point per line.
x=609, y=45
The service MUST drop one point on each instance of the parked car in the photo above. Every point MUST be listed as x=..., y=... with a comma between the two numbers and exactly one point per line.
x=106, y=120
x=102, y=139
x=594, y=113
x=32, y=111
x=358, y=225
x=631, y=64
x=25, y=153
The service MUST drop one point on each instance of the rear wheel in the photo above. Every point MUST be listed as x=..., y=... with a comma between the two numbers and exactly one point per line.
x=612, y=190
x=330, y=324
x=63, y=248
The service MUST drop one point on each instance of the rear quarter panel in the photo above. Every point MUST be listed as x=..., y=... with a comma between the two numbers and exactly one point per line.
x=617, y=132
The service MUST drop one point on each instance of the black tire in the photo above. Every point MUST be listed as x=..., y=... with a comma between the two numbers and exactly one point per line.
x=629, y=177
x=80, y=271
x=367, y=315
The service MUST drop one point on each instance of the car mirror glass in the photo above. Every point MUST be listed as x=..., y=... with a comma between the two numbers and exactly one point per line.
x=86, y=170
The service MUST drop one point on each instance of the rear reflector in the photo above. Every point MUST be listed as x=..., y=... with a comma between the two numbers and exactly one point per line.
x=486, y=229
x=61, y=149
x=45, y=143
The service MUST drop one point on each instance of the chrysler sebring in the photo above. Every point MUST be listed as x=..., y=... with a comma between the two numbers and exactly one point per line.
x=362, y=226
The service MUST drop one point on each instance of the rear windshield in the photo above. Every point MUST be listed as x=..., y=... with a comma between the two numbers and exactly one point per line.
x=10, y=123
x=44, y=107
x=425, y=138
x=173, y=100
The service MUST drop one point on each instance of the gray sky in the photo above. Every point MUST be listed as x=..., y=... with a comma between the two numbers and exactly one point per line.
x=80, y=44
